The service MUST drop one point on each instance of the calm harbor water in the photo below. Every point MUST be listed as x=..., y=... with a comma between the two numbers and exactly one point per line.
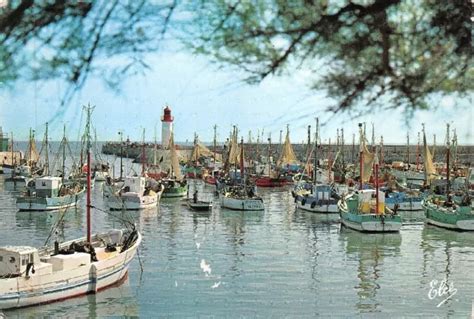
x=278, y=263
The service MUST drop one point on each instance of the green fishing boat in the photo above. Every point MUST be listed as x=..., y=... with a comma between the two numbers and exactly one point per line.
x=365, y=210
x=358, y=212
x=442, y=211
x=175, y=186
x=446, y=214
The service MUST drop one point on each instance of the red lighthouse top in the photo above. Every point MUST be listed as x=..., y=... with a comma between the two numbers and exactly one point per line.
x=167, y=115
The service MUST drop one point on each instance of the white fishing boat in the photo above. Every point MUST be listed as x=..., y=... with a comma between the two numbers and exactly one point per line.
x=242, y=196
x=31, y=276
x=320, y=200
x=318, y=197
x=49, y=193
x=135, y=194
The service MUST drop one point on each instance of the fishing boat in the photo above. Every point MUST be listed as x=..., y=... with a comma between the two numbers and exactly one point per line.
x=318, y=198
x=321, y=200
x=175, y=184
x=442, y=211
x=198, y=205
x=447, y=214
x=241, y=196
x=135, y=194
x=173, y=188
x=403, y=201
x=22, y=174
x=31, y=276
x=275, y=178
x=365, y=210
x=50, y=193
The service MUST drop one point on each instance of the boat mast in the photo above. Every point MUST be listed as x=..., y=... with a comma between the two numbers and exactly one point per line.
x=46, y=148
x=154, y=149
x=342, y=150
x=376, y=183
x=29, y=161
x=447, y=158
x=329, y=160
x=64, y=153
x=361, y=156
x=269, y=153
x=315, y=164
x=121, y=154
x=308, y=148
x=373, y=137
x=214, y=150
x=13, y=162
x=143, y=154
x=353, y=148
x=455, y=150
x=418, y=153
x=408, y=149
x=88, y=150
x=381, y=150
x=434, y=146
x=242, y=173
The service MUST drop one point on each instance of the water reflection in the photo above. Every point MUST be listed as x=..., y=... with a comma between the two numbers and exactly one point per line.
x=370, y=251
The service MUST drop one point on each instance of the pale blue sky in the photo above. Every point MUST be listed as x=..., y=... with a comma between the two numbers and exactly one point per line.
x=200, y=96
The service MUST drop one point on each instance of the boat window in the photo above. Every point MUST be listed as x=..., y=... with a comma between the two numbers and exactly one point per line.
x=12, y=260
x=1, y=258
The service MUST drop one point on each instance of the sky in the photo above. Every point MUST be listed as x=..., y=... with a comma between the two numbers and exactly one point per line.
x=200, y=96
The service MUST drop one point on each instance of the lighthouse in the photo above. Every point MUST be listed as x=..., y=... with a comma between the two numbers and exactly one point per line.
x=166, y=127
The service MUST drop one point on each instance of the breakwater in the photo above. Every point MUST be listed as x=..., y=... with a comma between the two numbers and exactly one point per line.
x=391, y=152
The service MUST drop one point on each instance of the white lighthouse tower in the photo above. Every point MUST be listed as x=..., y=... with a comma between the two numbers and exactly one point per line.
x=166, y=127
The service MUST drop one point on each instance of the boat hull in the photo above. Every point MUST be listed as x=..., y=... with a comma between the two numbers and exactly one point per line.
x=132, y=202
x=317, y=207
x=270, y=182
x=242, y=204
x=371, y=223
x=406, y=205
x=449, y=219
x=199, y=206
x=26, y=203
x=39, y=289
x=174, y=192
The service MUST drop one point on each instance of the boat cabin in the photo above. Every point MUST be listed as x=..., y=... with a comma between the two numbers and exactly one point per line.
x=134, y=184
x=367, y=201
x=14, y=260
x=322, y=191
x=48, y=186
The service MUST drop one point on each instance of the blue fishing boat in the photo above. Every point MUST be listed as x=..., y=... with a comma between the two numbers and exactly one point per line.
x=403, y=201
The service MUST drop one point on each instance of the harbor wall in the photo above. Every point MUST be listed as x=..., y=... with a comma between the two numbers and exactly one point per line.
x=253, y=151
